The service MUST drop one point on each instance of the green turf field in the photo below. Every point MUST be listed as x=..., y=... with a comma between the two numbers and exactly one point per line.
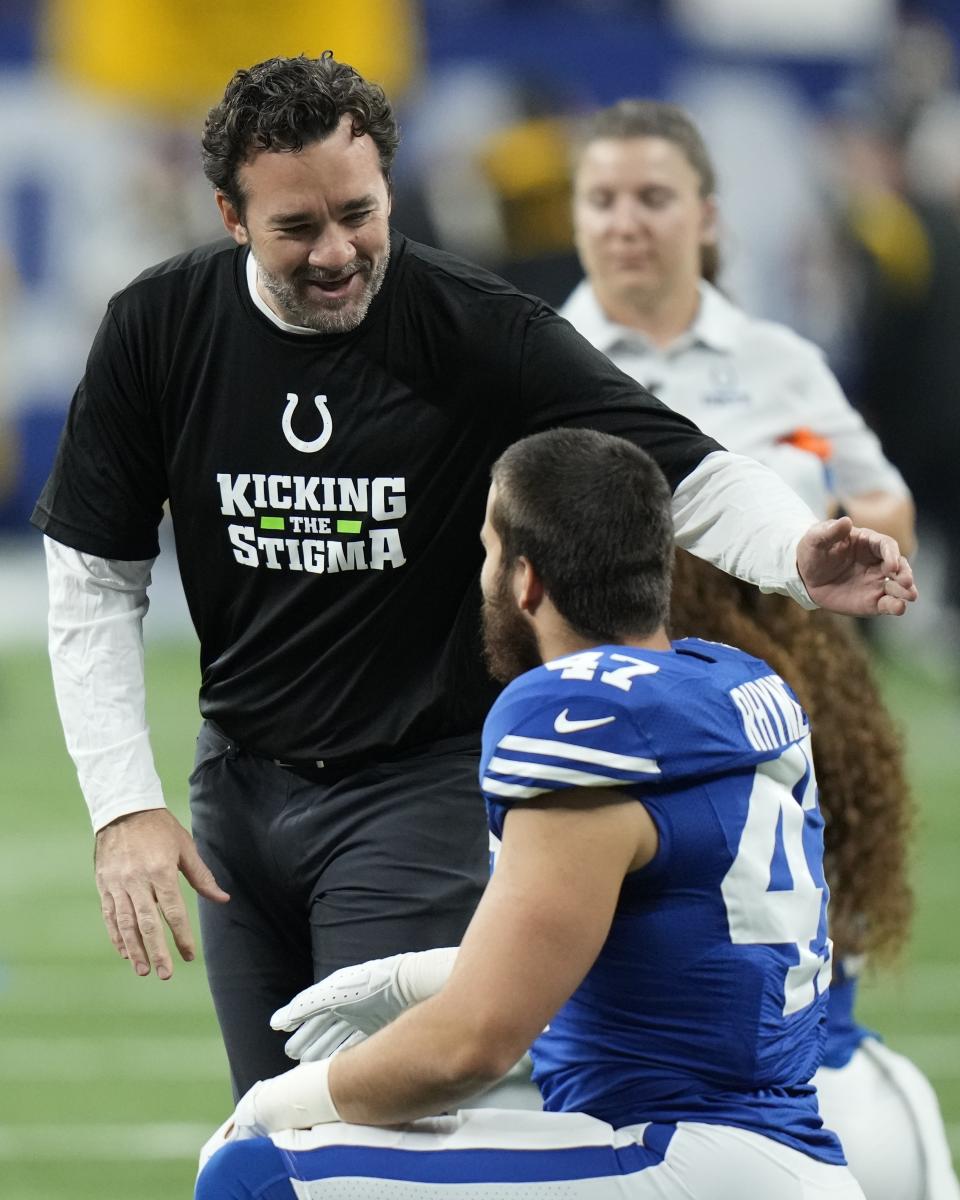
x=110, y=1083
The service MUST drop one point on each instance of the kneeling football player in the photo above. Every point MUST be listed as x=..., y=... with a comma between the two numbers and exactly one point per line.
x=654, y=930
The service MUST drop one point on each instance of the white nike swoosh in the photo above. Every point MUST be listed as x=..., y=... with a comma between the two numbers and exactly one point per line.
x=564, y=725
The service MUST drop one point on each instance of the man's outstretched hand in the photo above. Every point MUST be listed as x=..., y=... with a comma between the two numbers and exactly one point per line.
x=138, y=860
x=854, y=571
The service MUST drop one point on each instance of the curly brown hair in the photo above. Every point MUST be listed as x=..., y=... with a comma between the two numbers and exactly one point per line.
x=286, y=103
x=858, y=753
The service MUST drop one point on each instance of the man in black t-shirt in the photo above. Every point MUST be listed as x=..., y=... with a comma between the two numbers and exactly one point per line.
x=319, y=400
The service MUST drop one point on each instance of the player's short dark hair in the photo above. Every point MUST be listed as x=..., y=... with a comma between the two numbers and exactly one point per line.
x=591, y=513
x=631, y=118
x=285, y=104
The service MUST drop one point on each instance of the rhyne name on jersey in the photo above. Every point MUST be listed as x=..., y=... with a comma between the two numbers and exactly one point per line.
x=770, y=715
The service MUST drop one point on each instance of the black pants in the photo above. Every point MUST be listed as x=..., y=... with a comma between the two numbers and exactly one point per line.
x=321, y=875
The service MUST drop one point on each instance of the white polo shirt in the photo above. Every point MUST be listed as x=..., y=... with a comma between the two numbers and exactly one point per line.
x=750, y=383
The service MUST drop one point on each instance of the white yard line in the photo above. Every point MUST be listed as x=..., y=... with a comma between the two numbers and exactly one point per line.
x=161, y=1140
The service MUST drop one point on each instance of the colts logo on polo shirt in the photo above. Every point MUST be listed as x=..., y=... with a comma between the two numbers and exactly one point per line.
x=287, y=424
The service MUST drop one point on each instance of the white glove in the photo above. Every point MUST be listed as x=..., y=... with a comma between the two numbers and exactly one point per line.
x=222, y=1136
x=356, y=1001
x=297, y=1099
x=242, y=1123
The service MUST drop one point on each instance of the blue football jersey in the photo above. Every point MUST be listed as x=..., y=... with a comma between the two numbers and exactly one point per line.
x=844, y=1033
x=707, y=1000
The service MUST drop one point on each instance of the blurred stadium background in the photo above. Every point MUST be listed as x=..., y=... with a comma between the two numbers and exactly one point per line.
x=836, y=130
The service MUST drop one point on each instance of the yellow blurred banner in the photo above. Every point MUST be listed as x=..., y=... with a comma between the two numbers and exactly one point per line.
x=529, y=166
x=176, y=56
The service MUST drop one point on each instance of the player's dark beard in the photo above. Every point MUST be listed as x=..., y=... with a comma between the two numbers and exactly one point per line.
x=509, y=643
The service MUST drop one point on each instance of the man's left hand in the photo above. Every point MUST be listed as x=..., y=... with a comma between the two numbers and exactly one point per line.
x=854, y=571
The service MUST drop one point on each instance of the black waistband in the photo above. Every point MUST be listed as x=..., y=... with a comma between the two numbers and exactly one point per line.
x=327, y=770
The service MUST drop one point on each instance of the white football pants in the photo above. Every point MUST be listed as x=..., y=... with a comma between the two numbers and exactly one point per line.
x=499, y=1154
x=888, y=1119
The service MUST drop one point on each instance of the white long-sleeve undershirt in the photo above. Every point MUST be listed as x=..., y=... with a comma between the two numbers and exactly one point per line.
x=95, y=627
x=730, y=510
x=739, y=515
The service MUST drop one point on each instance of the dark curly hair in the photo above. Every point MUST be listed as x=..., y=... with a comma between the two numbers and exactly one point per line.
x=858, y=755
x=286, y=103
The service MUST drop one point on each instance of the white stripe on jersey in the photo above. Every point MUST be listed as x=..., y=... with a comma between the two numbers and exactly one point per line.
x=510, y=766
x=517, y=791
x=586, y=754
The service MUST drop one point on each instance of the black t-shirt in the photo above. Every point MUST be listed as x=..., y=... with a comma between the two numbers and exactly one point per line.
x=327, y=491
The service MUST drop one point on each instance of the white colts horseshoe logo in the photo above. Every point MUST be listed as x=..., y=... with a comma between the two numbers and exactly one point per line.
x=298, y=443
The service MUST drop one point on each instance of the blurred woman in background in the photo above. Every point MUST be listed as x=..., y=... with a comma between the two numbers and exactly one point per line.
x=645, y=226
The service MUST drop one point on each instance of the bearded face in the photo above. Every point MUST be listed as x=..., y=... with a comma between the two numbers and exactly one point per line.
x=317, y=220
x=327, y=301
x=509, y=644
